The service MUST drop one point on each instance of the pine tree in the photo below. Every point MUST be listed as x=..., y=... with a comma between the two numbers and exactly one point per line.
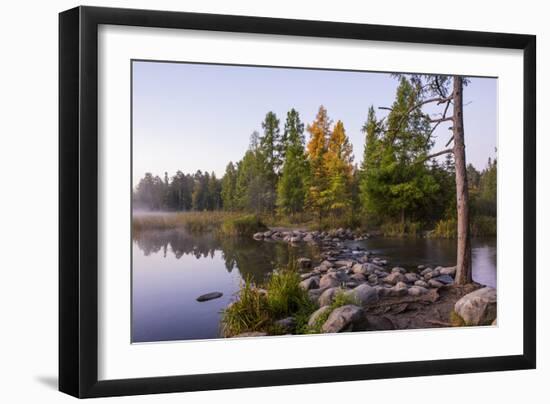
x=319, y=131
x=291, y=190
x=338, y=161
x=228, y=188
x=270, y=142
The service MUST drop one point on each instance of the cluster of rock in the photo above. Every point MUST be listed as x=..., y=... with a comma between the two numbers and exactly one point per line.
x=297, y=236
x=365, y=279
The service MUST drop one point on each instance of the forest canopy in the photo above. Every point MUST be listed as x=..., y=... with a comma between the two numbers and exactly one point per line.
x=397, y=187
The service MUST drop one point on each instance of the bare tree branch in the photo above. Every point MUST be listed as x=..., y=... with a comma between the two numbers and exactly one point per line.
x=450, y=118
x=450, y=140
x=439, y=153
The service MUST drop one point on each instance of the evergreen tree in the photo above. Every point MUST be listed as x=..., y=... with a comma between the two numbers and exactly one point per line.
x=228, y=188
x=254, y=187
x=270, y=143
x=319, y=131
x=396, y=184
x=291, y=190
x=338, y=161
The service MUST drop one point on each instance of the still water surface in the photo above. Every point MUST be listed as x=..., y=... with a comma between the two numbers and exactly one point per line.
x=171, y=269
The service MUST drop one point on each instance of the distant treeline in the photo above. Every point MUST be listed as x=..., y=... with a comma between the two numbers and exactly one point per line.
x=282, y=174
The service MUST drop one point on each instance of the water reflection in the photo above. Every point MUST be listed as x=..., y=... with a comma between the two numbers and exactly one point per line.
x=172, y=268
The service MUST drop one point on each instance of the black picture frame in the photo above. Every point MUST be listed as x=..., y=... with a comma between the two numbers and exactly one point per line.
x=78, y=201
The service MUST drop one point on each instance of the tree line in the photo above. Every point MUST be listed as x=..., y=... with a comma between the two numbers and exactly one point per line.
x=282, y=173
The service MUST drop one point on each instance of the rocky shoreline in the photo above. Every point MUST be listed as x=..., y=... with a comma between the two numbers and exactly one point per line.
x=383, y=297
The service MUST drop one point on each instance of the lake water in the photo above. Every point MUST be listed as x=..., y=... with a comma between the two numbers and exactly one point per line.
x=171, y=269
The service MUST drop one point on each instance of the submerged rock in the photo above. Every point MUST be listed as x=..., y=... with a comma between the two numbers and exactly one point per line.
x=478, y=307
x=209, y=296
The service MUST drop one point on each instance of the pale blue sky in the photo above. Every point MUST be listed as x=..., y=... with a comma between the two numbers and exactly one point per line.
x=194, y=116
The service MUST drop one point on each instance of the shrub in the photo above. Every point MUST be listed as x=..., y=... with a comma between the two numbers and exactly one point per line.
x=242, y=226
x=248, y=313
x=480, y=226
x=255, y=310
x=401, y=229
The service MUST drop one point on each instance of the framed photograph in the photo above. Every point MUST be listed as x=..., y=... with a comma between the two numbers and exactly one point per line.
x=251, y=201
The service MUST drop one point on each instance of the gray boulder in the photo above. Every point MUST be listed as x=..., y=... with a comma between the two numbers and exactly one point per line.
x=345, y=318
x=478, y=307
x=258, y=236
x=327, y=296
x=432, y=283
x=310, y=283
x=316, y=315
x=432, y=274
x=358, y=278
x=411, y=277
x=416, y=291
x=359, y=269
x=399, y=269
x=314, y=294
x=344, y=263
x=394, y=278
x=426, y=271
x=286, y=324
x=329, y=280
x=364, y=294
x=400, y=289
x=444, y=279
x=448, y=271
x=421, y=283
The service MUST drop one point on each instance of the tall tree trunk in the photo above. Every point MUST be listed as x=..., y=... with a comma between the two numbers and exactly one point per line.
x=463, y=251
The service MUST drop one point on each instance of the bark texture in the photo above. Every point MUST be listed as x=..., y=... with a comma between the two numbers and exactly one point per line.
x=463, y=251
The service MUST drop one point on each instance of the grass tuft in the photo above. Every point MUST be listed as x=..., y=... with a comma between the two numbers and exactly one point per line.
x=242, y=226
x=254, y=310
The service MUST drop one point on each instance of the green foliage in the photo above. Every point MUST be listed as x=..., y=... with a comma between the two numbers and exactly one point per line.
x=257, y=309
x=287, y=183
x=242, y=225
x=480, y=226
x=249, y=312
x=401, y=229
x=229, y=188
x=395, y=182
x=292, y=186
x=254, y=186
x=285, y=297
